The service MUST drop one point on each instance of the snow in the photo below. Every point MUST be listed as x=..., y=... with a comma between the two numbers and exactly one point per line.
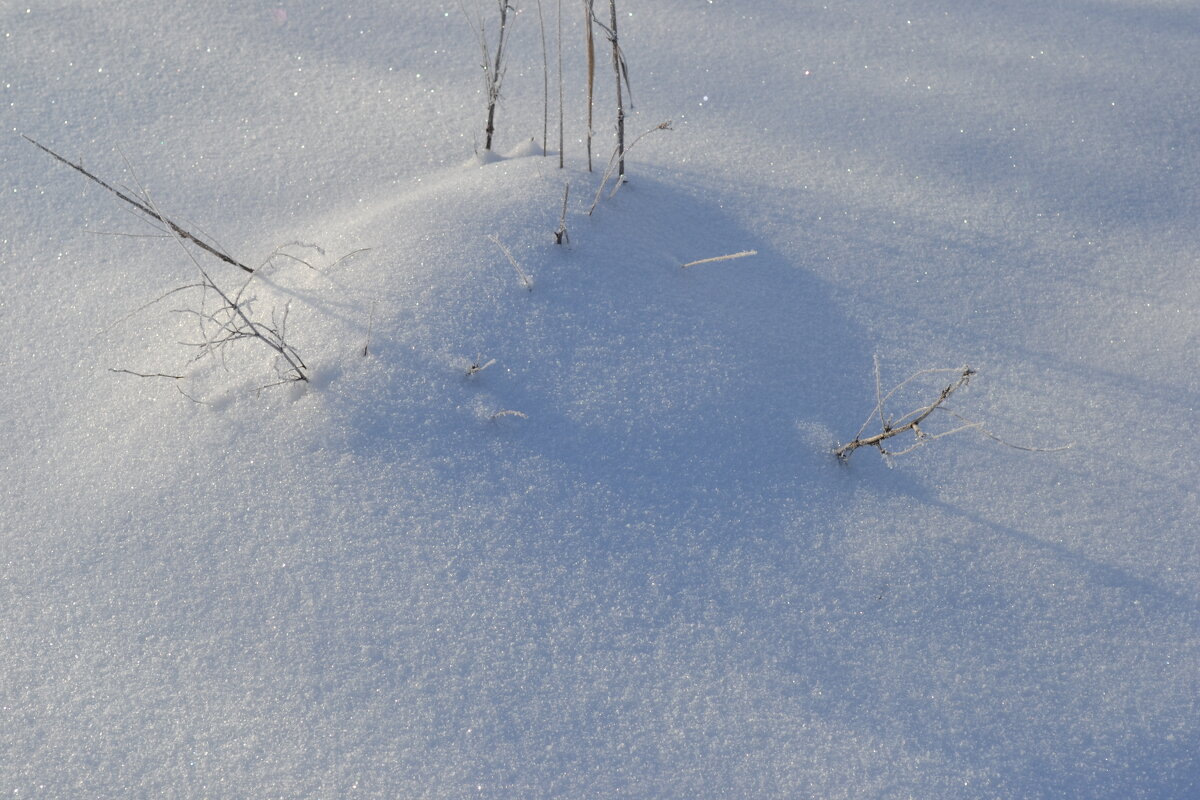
x=620, y=561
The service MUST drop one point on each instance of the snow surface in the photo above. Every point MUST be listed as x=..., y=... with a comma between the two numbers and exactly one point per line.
x=654, y=581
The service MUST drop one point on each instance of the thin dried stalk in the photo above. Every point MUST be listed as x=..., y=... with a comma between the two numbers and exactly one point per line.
x=560, y=235
x=558, y=43
x=589, y=18
x=545, y=82
x=618, y=63
x=147, y=209
x=512, y=260
x=662, y=126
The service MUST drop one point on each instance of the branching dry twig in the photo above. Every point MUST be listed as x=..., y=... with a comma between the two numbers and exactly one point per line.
x=909, y=422
x=231, y=320
x=912, y=421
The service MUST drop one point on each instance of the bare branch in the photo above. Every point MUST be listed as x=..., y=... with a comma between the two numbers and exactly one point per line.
x=910, y=422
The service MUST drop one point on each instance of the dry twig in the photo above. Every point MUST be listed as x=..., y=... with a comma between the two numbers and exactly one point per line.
x=913, y=420
x=145, y=207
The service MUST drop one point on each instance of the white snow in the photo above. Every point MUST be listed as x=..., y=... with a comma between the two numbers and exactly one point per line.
x=621, y=560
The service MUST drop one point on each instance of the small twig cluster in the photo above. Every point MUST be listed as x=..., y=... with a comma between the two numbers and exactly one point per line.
x=230, y=318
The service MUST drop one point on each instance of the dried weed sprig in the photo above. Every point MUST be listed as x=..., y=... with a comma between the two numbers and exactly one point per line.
x=912, y=421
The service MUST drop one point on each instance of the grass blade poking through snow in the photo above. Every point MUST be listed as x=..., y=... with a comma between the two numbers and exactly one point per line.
x=621, y=71
x=662, y=126
x=512, y=260
x=558, y=46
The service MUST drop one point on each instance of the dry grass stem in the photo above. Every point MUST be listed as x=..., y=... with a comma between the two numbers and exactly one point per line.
x=662, y=126
x=728, y=257
x=590, y=41
x=146, y=208
x=560, y=235
x=512, y=260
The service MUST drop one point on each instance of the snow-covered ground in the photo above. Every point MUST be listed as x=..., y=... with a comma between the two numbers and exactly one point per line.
x=654, y=581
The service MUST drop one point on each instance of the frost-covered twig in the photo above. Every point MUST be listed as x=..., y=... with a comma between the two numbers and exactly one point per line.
x=512, y=260
x=231, y=320
x=914, y=419
x=662, y=126
x=910, y=421
x=728, y=257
